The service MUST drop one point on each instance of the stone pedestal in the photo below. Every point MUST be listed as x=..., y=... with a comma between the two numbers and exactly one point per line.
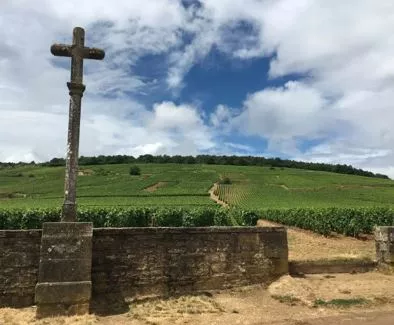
x=64, y=279
x=384, y=239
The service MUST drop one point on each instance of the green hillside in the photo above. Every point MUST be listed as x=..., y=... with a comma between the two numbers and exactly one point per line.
x=187, y=185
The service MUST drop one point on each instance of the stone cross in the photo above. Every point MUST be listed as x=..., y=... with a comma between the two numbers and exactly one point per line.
x=77, y=51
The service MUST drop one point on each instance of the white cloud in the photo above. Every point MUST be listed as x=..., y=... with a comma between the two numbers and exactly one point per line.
x=344, y=48
x=345, y=152
x=168, y=129
x=222, y=115
x=238, y=146
x=33, y=93
x=169, y=116
x=31, y=135
x=182, y=60
x=283, y=113
x=183, y=123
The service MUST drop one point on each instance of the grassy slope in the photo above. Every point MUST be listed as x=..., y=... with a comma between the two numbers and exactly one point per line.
x=187, y=185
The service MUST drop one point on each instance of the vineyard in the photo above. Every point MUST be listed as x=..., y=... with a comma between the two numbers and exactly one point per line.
x=288, y=188
x=351, y=222
x=108, y=185
x=183, y=185
x=346, y=221
x=131, y=217
x=177, y=194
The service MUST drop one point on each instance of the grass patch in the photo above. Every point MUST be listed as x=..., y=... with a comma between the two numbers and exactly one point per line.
x=286, y=299
x=340, y=303
x=156, y=310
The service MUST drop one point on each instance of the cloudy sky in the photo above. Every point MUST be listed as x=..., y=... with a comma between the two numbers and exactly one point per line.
x=310, y=80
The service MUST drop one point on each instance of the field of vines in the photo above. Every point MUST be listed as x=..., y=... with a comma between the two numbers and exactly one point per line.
x=114, y=201
x=188, y=185
x=325, y=221
x=131, y=217
x=276, y=188
x=347, y=221
x=171, y=194
x=108, y=185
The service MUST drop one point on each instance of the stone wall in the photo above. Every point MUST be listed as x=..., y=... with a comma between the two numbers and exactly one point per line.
x=19, y=260
x=161, y=261
x=135, y=262
x=384, y=239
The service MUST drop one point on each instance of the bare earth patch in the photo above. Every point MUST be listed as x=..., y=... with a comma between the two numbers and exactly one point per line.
x=254, y=305
x=307, y=245
x=85, y=172
x=13, y=195
x=26, y=316
x=173, y=310
x=154, y=187
x=370, y=288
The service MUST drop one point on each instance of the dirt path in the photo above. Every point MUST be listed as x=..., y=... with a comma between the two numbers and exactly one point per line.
x=214, y=197
x=253, y=305
x=307, y=245
x=154, y=187
x=373, y=318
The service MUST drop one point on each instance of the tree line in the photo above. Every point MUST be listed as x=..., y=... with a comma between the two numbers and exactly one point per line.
x=211, y=160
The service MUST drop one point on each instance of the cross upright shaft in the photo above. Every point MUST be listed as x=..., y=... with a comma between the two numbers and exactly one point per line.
x=77, y=51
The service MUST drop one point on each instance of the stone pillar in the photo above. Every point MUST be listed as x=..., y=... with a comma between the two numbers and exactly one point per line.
x=64, y=277
x=384, y=239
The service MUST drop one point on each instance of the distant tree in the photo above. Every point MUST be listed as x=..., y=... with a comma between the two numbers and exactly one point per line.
x=225, y=180
x=57, y=162
x=135, y=170
x=146, y=159
x=209, y=159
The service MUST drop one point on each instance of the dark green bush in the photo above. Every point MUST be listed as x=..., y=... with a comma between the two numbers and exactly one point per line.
x=134, y=170
x=225, y=180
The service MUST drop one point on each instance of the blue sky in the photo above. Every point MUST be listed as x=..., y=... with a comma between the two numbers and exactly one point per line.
x=302, y=79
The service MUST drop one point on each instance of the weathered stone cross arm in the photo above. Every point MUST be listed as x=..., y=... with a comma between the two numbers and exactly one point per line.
x=70, y=50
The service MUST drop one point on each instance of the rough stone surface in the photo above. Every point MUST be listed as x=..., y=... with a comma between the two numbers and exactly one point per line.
x=53, y=310
x=135, y=262
x=384, y=239
x=63, y=292
x=78, y=52
x=63, y=298
x=65, y=269
x=132, y=262
x=335, y=266
x=19, y=259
